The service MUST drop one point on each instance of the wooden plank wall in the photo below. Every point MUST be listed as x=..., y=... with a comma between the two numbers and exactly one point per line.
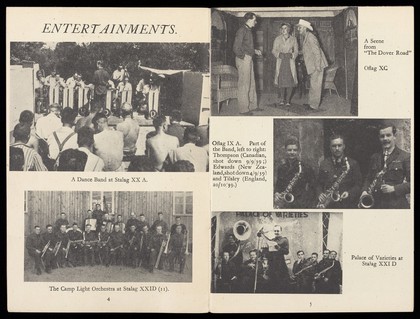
x=44, y=207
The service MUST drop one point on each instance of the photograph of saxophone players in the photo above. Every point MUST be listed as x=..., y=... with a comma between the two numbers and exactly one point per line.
x=277, y=252
x=330, y=163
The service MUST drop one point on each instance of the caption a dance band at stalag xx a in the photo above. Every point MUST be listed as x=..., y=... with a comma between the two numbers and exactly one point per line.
x=108, y=242
x=266, y=271
x=339, y=183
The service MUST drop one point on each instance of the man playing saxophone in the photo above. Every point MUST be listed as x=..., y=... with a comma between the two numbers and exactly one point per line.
x=295, y=179
x=388, y=179
x=339, y=180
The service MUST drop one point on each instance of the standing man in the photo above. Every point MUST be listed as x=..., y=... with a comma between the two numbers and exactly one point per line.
x=62, y=237
x=395, y=163
x=323, y=266
x=278, y=248
x=301, y=272
x=90, y=240
x=157, y=244
x=120, y=223
x=130, y=129
x=103, y=245
x=100, y=80
x=35, y=246
x=177, y=249
x=116, y=246
x=294, y=178
x=347, y=191
x=226, y=273
x=315, y=62
x=133, y=221
x=49, y=257
x=61, y=221
x=160, y=222
x=145, y=241
x=75, y=248
x=143, y=222
x=178, y=223
x=98, y=214
x=243, y=47
x=132, y=243
x=109, y=144
x=248, y=270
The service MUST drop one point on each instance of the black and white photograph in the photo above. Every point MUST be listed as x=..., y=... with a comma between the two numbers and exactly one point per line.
x=342, y=163
x=290, y=61
x=277, y=252
x=108, y=236
x=109, y=106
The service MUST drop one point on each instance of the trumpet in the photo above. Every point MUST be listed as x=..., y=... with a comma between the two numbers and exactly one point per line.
x=44, y=250
x=367, y=200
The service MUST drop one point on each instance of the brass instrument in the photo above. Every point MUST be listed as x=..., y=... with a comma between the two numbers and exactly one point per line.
x=140, y=247
x=160, y=253
x=71, y=242
x=115, y=248
x=286, y=195
x=103, y=243
x=166, y=247
x=242, y=230
x=44, y=250
x=131, y=241
x=56, y=248
x=367, y=200
x=332, y=194
x=322, y=272
x=304, y=269
x=186, y=246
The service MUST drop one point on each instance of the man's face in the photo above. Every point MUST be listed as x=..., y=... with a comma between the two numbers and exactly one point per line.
x=226, y=256
x=387, y=138
x=292, y=151
x=74, y=227
x=333, y=255
x=37, y=230
x=160, y=216
x=55, y=111
x=117, y=228
x=301, y=255
x=88, y=228
x=301, y=29
x=178, y=221
x=142, y=218
x=102, y=122
x=132, y=228
x=252, y=22
x=145, y=229
x=253, y=255
x=103, y=228
x=119, y=218
x=277, y=231
x=337, y=147
x=159, y=230
x=231, y=239
x=63, y=228
x=89, y=213
x=326, y=254
x=49, y=230
x=98, y=207
x=120, y=67
x=314, y=257
x=63, y=216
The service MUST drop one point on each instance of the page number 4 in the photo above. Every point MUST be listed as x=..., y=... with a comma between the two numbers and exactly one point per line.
x=109, y=299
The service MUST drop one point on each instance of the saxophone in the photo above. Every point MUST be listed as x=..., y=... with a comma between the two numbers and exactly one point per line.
x=367, y=200
x=332, y=194
x=286, y=195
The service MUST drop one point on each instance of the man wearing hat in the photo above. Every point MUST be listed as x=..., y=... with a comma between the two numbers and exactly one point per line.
x=315, y=62
x=243, y=47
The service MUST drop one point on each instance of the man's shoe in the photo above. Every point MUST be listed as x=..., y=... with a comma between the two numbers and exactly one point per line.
x=246, y=113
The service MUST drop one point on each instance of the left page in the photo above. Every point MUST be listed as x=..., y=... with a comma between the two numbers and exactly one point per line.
x=107, y=129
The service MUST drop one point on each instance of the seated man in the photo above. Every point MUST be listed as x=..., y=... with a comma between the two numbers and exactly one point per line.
x=130, y=129
x=87, y=120
x=74, y=255
x=116, y=247
x=85, y=141
x=75, y=81
x=108, y=144
x=124, y=85
x=175, y=128
x=71, y=161
x=181, y=166
x=141, y=164
x=132, y=243
x=35, y=246
x=46, y=125
x=190, y=152
x=103, y=245
x=16, y=159
x=65, y=137
x=89, y=245
x=32, y=160
x=159, y=146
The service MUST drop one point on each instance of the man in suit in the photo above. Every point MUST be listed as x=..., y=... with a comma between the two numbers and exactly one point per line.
x=391, y=193
x=315, y=62
x=243, y=47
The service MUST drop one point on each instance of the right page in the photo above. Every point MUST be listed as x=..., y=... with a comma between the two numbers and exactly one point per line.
x=311, y=146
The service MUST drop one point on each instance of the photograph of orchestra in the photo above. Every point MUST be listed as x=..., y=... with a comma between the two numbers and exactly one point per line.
x=109, y=106
x=334, y=163
x=108, y=236
x=277, y=252
x=290, y=61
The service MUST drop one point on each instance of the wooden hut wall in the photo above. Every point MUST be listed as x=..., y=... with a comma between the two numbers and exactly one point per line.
x=44, y=207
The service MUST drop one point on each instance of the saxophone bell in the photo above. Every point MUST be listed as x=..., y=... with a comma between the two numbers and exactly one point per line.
x=366, y=201
x=289, y=198
x=336, y=197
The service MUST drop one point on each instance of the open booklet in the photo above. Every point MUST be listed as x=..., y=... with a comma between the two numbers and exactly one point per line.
x=185, y=158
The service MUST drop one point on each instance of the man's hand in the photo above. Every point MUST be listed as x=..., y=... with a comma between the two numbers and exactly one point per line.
x=277, y=196
x=387, y=189
x=258, y=52
x=322, y=197
x=37, y=251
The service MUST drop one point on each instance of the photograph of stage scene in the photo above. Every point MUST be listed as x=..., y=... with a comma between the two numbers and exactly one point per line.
x=342, y=163
x=291, y=61
x=109, y=106
x=94, y=236
x=277, y=252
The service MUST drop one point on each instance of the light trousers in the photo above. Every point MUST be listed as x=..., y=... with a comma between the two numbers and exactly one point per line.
x=247, y=93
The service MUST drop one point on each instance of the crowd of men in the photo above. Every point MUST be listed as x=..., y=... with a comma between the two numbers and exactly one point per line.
x=59, y=142
x=104, y=241
x=339, y=183
x=266, y=271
